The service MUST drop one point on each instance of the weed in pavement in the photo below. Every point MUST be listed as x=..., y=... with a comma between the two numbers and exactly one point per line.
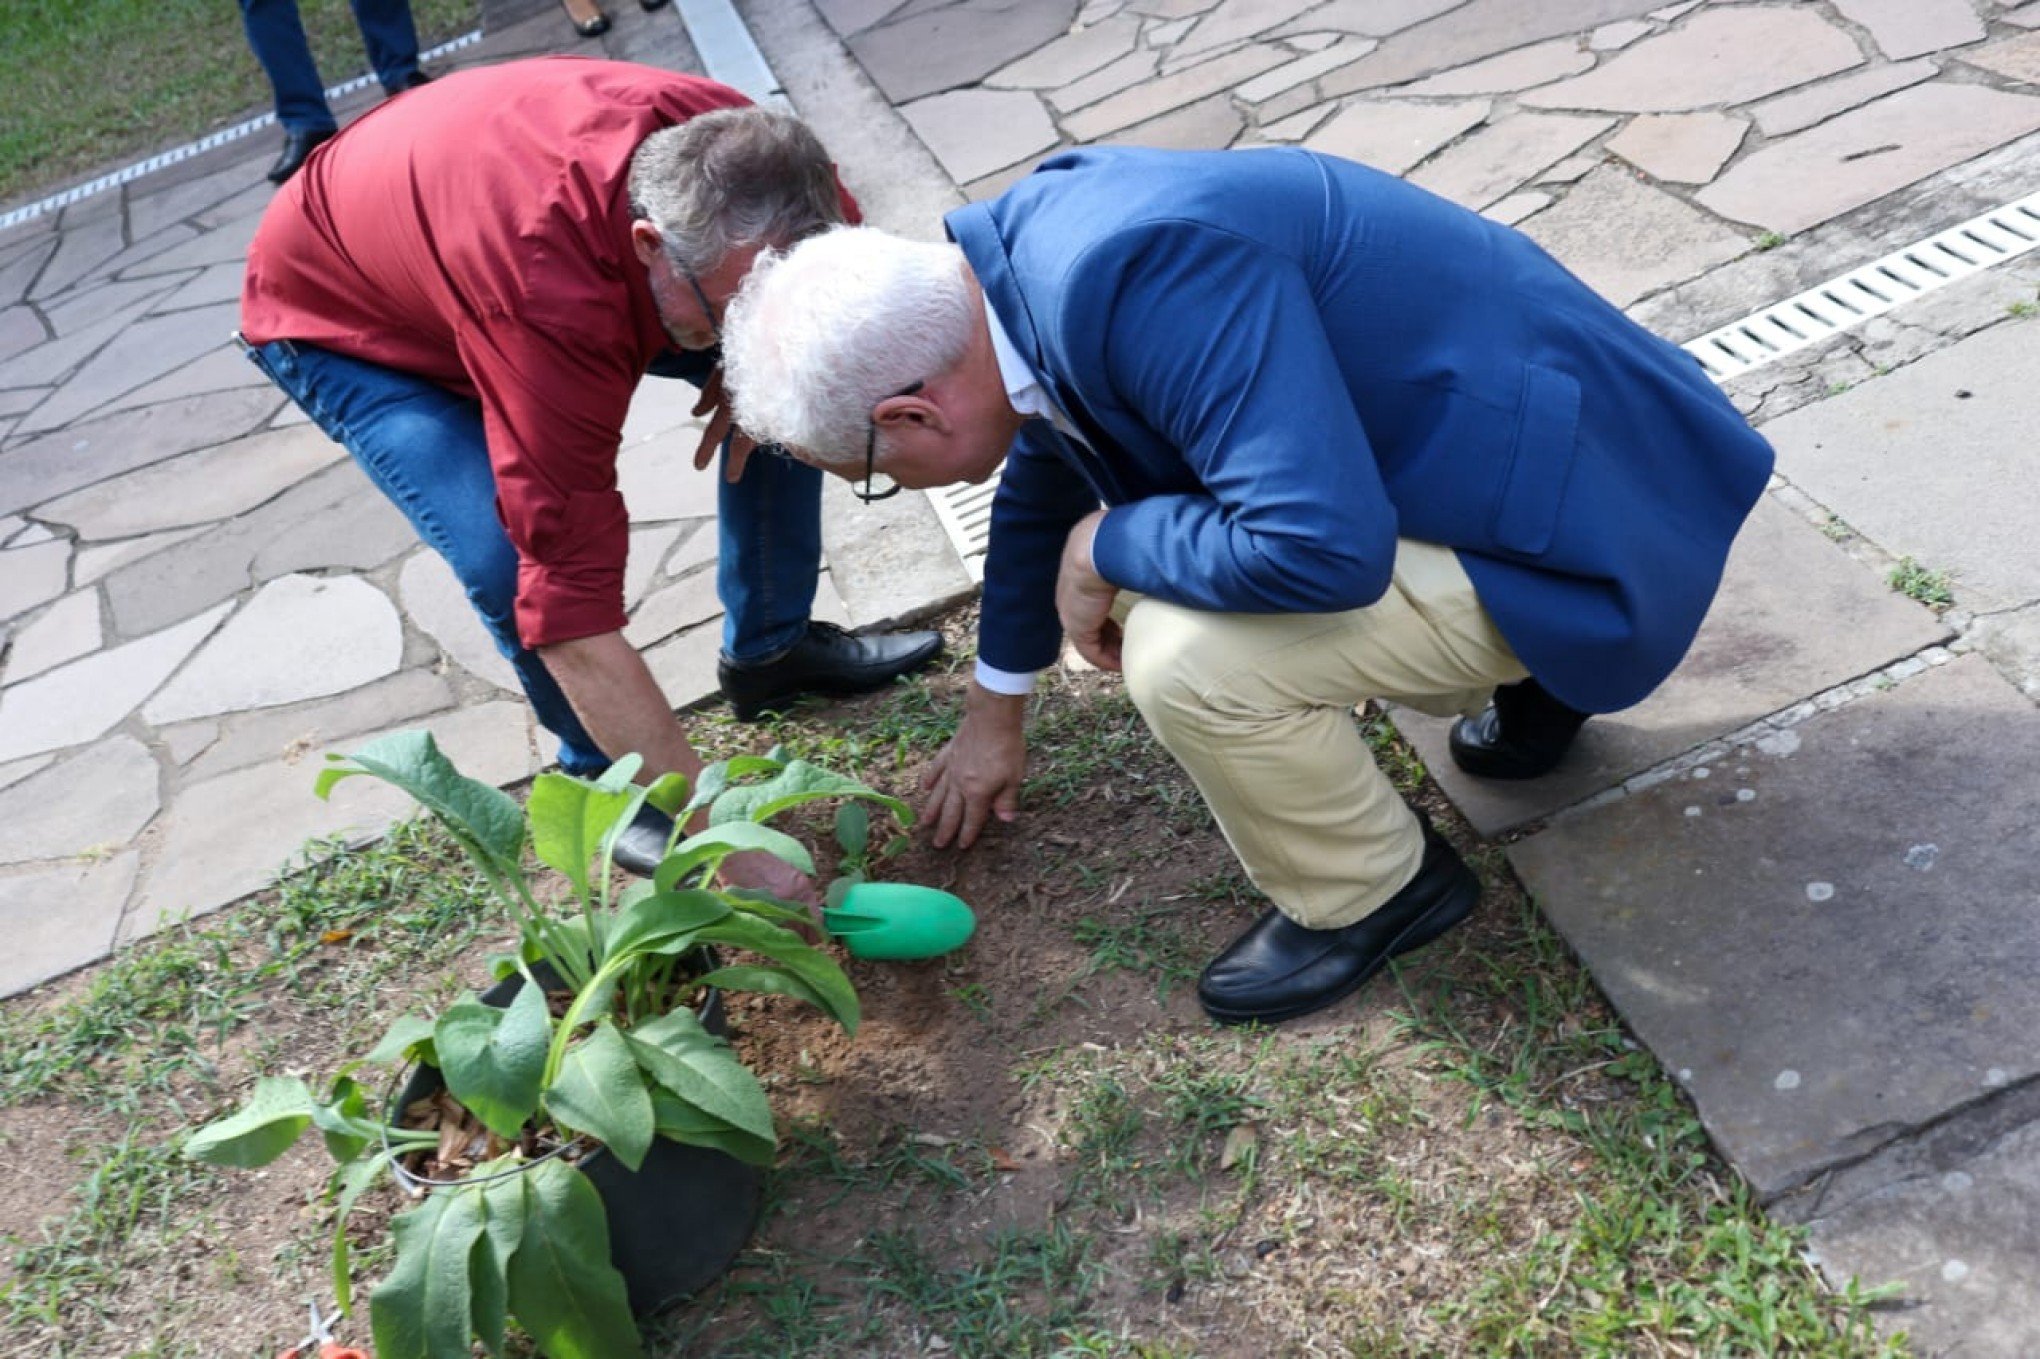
x=1931, y=588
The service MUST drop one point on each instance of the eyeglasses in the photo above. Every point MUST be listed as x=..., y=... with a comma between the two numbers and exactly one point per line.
x=701, y=296
x=869, y=492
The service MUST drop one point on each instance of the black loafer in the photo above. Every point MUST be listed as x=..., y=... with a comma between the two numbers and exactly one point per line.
x=1278, y=969
x=827, y=660
x=1524, y=733
x=297, y=148
x=650, y=5
x=643, y=842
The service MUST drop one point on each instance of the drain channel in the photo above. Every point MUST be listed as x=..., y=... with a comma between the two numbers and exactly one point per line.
x=1757, y=339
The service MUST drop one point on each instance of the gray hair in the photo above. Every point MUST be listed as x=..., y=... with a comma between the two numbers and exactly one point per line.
x=820, y=334
x=732, y=178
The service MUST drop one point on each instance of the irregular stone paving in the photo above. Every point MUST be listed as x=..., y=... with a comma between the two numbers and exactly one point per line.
x=1805, y=938
x=1834, y=964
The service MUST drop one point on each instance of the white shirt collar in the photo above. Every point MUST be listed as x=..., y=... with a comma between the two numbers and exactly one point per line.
x=1024, y=389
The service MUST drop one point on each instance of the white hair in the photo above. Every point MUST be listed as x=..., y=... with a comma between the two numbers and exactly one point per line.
x=820, y=334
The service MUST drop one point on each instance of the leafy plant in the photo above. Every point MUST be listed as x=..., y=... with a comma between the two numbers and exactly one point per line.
x=523, y=1232
x=1929, y=587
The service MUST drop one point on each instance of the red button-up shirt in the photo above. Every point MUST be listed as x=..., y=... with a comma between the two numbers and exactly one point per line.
x=476, y=232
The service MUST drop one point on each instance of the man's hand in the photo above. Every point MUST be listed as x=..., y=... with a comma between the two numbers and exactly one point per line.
x=1083, y=598
x=978, y=773
x=721, y=430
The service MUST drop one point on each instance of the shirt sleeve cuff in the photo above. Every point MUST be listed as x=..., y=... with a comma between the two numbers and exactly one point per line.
x=1011, y=682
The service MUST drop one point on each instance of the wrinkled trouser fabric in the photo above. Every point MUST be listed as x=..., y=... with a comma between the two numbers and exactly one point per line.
x=277, y=37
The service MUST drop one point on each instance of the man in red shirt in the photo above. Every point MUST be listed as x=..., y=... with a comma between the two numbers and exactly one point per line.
x=464, y=289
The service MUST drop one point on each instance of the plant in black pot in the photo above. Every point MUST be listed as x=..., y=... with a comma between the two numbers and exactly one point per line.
x=586, y=1142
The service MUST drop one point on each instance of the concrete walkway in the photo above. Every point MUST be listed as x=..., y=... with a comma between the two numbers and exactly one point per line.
x=1799, y=870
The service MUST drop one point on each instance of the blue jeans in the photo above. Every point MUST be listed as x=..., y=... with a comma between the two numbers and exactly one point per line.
x=424, y=448
x=277, y=37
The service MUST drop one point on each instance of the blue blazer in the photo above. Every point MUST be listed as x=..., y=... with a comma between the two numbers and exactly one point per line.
x=1282, y=362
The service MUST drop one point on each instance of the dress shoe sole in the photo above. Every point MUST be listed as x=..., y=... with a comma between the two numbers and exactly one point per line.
x=1442, y=916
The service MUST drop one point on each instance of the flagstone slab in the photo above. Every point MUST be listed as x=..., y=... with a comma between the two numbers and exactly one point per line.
x=435, y=602
x=1817, y=103
x=850, y=16
x=133, y=260
x=1538, y=64
x=1770, y=929
x=1919, y=462
x=1958, y=1237
x=1501, y=157
x=685, y=666
x=2011, y=640
x=2025, y=16
x=1395, y=135
x=83, y=701
x=1457, y=35
x=1913, y=28
x=2017, y=58
x=1106, y=81
x=1369, y=18
x=49, y=362
x=150, y=212
x=21, y=268
x=20, y=329
x=208, y=747
x=974, y=132
x=657, y=478
x=1265, y=87
x=1234, y=21
x=212, y=852
x=1796, y=615
x=1724, y=56
x=1627, y=239
x=1069, y=58
x=1680, y=148
x=223, y=244
x=78, y=251
x=1616, y=36
x=300, y=637
x=67, y=630
x=212, y=284
x=84, y=306
x=32, y=576
x=95, y=800
x=956, y=45
x=649, y=544
x=662, y=407
x=1211, y=124
x=1156, y=97
x=225, y=369
x=41, y=469
x=1860, y=156
x=195, y=488
x=93, y=562
x=144, y=350
x=17, y=770
x=687, y=603
x=360, y=531
x=59, y=919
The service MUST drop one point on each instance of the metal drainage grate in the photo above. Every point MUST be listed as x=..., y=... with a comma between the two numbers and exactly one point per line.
x=1736, y=348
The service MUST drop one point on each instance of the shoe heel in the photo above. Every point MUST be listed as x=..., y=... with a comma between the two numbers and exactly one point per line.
x=1454, y=908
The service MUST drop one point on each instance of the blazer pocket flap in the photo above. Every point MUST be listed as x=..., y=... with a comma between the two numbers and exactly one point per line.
x=1547, y=438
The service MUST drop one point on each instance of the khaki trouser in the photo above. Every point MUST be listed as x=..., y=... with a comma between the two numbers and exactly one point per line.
x=1258, y=709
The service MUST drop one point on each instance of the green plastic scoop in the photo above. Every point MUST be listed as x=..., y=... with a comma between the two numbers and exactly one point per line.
x=899, y=920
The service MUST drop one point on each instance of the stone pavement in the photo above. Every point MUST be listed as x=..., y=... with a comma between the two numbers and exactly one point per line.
x=1796, y=869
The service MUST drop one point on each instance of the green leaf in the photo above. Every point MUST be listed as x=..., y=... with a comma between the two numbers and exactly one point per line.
x=423, y=1309
x=569, y=817
x=711, y=1079
x=799, y=782
x=668, y=793
x=755, y=902
x=730, y=838
x=343, y=1120
x=599, y=1091
x=837, y=997
x=779, y=981
x=489, y=1266
x=486, y=820
x=650, y=923
x=259, y=1131
x=853, y=829
x=494, y=1060
x=353, y=1180
x=563, y=1289
x=409, y=1040
x=679, y=1121
x=676, y=1031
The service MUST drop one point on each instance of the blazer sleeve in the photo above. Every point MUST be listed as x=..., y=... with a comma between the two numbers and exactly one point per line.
x=1214, y=342
x=1040, y=497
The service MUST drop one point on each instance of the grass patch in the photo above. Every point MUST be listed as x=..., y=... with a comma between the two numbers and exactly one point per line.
x=1931, y=588
x=90, y=83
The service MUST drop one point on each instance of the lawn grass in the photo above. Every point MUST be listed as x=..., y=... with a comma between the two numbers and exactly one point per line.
x=91, y=84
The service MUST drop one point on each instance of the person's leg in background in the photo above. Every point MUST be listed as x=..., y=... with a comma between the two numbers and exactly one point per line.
x=392, y=42
x=424, y=448
x=277, y=38
x=1258, y=710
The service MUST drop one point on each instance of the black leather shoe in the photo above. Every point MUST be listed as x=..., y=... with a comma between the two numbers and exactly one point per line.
x=1278, y=969
x=827, y=660
x=1524, y=733
x=592, y=28
x=296, y=147
x=650, y=5
x=417, y=78
x=643, y=842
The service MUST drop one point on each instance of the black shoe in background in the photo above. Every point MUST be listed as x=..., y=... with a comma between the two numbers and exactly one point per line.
x=1279, y=969
x=826, y=660
x=643, y=842
x=1524, y=733
x=297, y=146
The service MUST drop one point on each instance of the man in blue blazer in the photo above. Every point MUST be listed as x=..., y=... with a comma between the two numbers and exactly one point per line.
x=1350, y=441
